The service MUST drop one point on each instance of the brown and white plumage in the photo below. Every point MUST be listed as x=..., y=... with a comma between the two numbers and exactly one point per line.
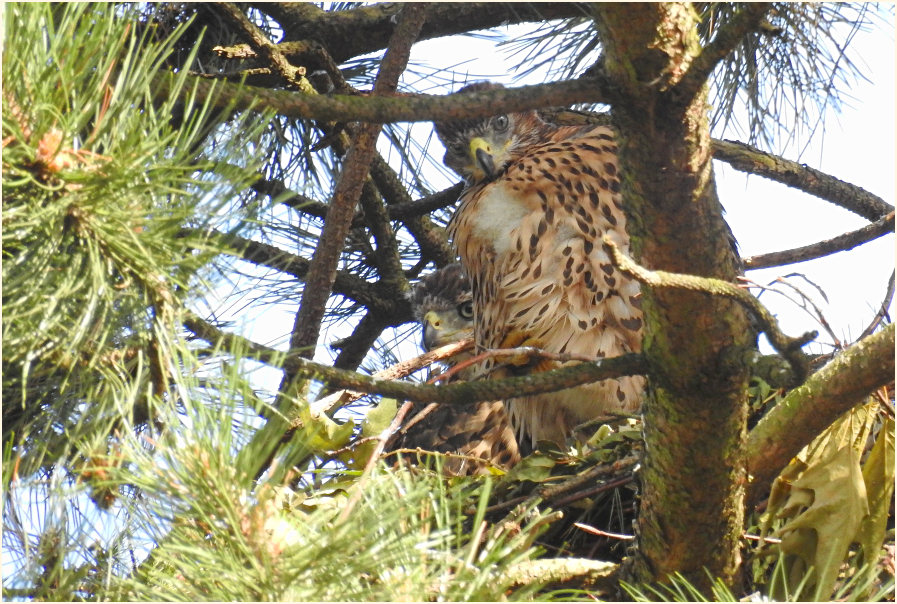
x=442, y=304
x=528, y=231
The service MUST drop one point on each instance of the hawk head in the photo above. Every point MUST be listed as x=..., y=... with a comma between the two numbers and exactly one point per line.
x=480, y=149
x=443, y=306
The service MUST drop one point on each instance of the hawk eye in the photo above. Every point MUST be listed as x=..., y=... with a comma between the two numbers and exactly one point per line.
x=465, y=310
x=457, y=148
x=501, y=122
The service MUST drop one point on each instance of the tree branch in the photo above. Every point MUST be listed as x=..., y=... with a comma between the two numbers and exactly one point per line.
x=748, y=159
x=263, y=254
x=333, y=401
x=882, y=313
x=322, y=270
x=388, y=108
x=355, y=347
x=599, y=577
x=366, y=29
x=786, y=346
x=294, y=76
x=806, y=411
x=841, y=243
x=452, y=394
x=727, y=38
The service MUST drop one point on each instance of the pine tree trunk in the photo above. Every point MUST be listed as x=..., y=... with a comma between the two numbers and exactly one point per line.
x=691, y=510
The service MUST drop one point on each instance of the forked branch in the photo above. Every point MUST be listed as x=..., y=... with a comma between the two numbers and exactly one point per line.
x=786, y=346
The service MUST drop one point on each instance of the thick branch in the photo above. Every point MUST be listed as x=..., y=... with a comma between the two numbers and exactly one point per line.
x=748, y=159
x=322, y=270
x=806, y=411
x=383, y=109
x=366, y=29
x=841, y=243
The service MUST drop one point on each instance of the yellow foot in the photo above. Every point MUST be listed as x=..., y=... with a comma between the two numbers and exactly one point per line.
x=517, y=339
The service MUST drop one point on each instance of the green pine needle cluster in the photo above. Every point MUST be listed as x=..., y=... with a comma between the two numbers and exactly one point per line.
x=100, y=182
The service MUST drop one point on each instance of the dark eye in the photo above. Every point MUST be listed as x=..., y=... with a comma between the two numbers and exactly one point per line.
x=501, y=122
x=465, y=310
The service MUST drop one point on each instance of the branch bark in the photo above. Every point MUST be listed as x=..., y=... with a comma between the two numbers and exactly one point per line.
x=456, y=393
x=383, y=109
x=366, y=29
x=841, y=243
x=322, y=270
x=748, y=159
x=806, y=411
x=727, y=38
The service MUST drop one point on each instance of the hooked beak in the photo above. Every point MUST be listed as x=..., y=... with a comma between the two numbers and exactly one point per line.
x=432, y=325
x=481, y=154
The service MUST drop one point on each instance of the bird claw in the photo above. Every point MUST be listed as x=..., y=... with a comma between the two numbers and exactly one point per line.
x=517, y=339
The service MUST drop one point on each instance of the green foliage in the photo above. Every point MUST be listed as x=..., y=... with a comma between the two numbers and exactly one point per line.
x=409, y=538
x=107, y=195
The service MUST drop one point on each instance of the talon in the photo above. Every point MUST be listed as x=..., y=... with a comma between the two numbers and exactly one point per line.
x=518, y=339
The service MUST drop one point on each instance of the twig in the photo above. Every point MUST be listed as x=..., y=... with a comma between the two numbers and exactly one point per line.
x=550, y=492
x=607, y=486
x=527, y=351
x=598, y=532
x=841, y=243
x=448, y=455
x=784, y=345
x=804, y=302
x=399, y=370
x=374, y=458
x=882, y=313
x=552, y=495
x=759, y=538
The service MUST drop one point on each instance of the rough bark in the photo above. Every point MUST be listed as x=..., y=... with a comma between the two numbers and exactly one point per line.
x=692, y=505
x=366, y=29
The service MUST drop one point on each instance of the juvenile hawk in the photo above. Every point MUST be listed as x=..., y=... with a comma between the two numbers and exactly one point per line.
x=528, y=231
x=442, y=304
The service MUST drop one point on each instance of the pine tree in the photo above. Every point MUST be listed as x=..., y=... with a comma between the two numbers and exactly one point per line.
x=174, y=176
